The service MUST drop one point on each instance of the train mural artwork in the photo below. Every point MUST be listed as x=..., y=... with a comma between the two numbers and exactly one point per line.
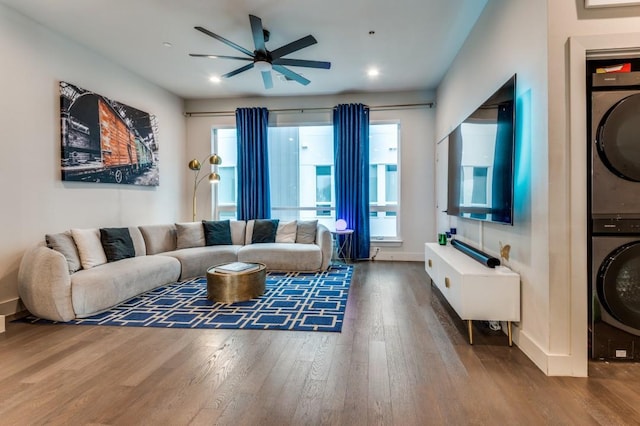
x=106, y=141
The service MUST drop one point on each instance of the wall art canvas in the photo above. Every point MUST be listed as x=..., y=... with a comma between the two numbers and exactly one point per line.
x=106, y=141
x=610, y=3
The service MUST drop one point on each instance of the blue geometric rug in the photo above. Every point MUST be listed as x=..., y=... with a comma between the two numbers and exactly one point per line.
x=292, y=301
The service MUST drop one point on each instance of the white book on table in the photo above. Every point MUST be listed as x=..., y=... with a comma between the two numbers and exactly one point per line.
x=236, y=268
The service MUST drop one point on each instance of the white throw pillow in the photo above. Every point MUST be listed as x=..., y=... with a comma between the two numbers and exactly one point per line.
x=89, y=247
x=286, y=232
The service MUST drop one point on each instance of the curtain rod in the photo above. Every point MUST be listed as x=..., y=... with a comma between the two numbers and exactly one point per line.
x=317, y=109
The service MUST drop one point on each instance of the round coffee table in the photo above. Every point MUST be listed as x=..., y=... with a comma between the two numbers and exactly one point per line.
x=224, y=287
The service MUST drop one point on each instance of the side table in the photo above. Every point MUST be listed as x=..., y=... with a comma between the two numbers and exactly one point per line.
x=342, y=249
x=235, y=287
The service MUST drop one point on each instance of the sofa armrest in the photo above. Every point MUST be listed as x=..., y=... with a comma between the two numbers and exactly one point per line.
x=44, y=284
x=324, y=241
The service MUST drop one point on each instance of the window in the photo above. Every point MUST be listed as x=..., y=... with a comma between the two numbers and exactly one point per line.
x=384, y=184
x=373, y=184
x=302, y=175
x=301, y=168
x=223, y=143
x=323, y=190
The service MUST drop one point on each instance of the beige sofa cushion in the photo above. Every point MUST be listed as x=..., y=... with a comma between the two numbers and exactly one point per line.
x=89, y=247
x=306, y=231
x=238, y=228
x=159, y=238
x=286, y=232
x=44, y=285
x=283, y=256
x=248, y=233
x=138, y=241
x=189, y=235
x=64, y=243
x=104, y=286
x=196, y=260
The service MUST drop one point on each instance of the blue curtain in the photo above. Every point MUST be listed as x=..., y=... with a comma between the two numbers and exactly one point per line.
x=351, y=151
x=254, y=199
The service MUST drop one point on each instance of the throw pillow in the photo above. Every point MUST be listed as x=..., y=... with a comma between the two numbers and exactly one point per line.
x=286, y=232
x=264, y=231
x=138, y=241
x=217, y=232
x=64, y=244
x=189, y=235
x=306, y=233
x=117, y=243
x=89, y=247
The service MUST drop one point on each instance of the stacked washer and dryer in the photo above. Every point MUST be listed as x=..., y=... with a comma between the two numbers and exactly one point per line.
x=614, y=209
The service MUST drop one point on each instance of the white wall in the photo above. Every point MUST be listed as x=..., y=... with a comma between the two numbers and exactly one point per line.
x=417, y=152
x=511, y=38
x=573, y=32
x=549, y=236
x=34, y=199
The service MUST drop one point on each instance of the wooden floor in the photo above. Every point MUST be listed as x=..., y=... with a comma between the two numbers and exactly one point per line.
x=401, y=359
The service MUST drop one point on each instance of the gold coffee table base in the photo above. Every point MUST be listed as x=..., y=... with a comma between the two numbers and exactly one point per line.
x=238, y=287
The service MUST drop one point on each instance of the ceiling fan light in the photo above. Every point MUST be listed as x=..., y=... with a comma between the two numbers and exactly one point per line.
x=262, y=66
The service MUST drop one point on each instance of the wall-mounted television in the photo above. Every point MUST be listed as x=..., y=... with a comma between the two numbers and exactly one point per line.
x=481, y=160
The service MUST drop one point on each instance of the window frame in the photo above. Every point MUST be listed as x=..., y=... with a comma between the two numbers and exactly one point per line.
x=381, y=206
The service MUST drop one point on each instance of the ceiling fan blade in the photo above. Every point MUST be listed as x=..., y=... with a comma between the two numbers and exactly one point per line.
x=267, y=80
x=258, y=33
x=302, y=63
x=204, y=55
x=238, y=71
x=293, y=46
x=224, y=40
x=292, y=75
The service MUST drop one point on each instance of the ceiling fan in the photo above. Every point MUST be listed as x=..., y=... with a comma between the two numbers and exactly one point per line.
x=265, y=60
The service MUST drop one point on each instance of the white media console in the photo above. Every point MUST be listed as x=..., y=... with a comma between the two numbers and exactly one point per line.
x=474, y=291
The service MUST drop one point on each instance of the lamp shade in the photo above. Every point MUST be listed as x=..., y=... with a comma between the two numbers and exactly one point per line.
x=215, y=159
x=194, y=164
x=214, y=177
x=341, y=225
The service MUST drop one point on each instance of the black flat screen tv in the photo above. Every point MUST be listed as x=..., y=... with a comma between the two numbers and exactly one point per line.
x=481, y=160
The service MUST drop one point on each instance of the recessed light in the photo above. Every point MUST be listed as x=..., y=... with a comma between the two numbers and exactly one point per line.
x=167, y=44
x=214, y=79
x=373, y=72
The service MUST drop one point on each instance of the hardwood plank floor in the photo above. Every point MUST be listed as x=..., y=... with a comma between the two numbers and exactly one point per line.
x=401, y=359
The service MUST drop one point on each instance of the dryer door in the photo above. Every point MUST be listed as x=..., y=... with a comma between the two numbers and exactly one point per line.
x=617, y=140
x=618, y=284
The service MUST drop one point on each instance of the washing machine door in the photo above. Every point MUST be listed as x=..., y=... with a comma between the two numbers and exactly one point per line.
x=618, y=138
x=618, y=284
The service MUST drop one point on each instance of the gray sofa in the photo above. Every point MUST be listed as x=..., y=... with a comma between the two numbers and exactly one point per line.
x=62, y=280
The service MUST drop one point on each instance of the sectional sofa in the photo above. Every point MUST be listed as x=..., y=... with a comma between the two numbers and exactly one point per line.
x=82, y=272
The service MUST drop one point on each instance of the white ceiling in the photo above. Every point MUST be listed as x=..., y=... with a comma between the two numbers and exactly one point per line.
x=414, y=43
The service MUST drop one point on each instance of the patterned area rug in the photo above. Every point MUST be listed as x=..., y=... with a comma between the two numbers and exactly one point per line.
x=292, y=301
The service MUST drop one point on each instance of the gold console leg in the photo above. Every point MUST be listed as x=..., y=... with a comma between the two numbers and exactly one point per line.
x=470, y=325
x=509, y=332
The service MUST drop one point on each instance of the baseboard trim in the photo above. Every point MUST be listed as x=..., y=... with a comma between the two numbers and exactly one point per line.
x=11, y=307
x=550, y=364
x=399, y=256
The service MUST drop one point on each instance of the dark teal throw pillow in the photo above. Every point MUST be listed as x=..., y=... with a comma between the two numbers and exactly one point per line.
x=264, y=230
x=117, y=243
x=217, y=232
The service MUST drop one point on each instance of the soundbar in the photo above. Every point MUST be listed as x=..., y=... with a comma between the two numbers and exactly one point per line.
x=476, y=254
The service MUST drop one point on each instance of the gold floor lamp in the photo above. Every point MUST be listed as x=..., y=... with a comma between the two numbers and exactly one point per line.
x=214, y=177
